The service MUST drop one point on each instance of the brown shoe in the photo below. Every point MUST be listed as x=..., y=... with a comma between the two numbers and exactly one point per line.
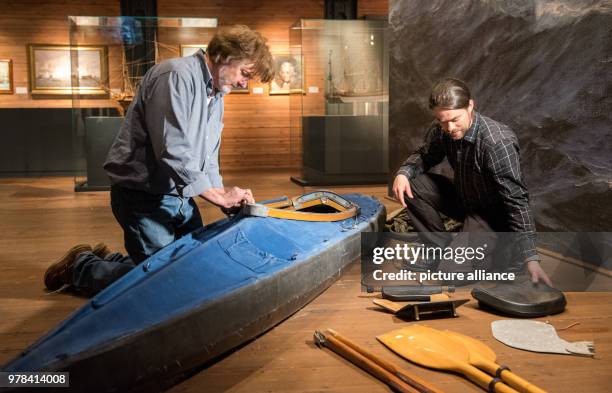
x=60, y=273
x=101, y=250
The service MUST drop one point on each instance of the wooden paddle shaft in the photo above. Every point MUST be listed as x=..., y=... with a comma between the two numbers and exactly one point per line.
x=510, y=378
x=483, y=357
x=420, y=384
x=519, y=383
x=366, y=364
x=484, y=380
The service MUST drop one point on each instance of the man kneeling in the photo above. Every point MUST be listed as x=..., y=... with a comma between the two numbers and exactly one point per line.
x=166, y=153
x=488, y=193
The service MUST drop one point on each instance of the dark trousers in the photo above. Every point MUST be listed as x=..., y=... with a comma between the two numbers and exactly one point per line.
x=435, y=194
x=149, y=223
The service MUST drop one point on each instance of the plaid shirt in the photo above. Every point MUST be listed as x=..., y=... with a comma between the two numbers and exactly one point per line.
x=487, y=170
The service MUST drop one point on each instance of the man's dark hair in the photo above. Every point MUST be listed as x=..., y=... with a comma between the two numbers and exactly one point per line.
x=450, y=93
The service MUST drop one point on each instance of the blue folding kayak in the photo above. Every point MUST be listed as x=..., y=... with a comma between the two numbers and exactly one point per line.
x=198, y=298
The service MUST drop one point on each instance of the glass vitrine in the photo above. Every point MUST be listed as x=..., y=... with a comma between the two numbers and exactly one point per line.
x=339, y=117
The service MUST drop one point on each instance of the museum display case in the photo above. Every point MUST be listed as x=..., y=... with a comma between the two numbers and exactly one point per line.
x=339, y=114
x=101, y=70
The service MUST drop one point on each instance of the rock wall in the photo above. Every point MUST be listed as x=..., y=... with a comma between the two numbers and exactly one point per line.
x=541, y=66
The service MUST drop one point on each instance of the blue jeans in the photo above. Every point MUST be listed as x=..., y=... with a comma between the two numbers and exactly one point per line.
x=149, y=222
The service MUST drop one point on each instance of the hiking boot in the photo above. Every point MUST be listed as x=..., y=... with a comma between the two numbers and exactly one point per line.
x=101, y=250
x=60, y=273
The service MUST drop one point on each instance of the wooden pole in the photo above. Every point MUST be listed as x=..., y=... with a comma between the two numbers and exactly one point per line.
x=362, y=362
x=420, y=384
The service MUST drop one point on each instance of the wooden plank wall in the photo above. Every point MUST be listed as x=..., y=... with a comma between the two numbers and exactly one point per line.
x=24, y=22
x=372, y=8
x=257, y=127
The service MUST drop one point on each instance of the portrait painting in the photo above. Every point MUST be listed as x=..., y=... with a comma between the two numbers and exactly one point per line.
x=287, y=75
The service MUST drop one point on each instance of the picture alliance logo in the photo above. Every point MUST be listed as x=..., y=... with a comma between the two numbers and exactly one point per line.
x=412, y=253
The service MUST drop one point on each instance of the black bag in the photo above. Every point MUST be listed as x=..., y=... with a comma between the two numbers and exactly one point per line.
x=524, y=299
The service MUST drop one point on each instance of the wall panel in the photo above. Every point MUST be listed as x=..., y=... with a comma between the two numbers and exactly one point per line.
x=256, y=126
x=24, y=22
x=370, y=8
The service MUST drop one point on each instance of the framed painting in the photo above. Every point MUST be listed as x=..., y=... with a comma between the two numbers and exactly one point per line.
x=66, y=70
x=287, y=75
x=6, y=76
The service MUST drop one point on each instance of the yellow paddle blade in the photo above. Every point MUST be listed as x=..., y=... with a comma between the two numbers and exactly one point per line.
x=423, y=346
x=432, y=348
x=473, y=345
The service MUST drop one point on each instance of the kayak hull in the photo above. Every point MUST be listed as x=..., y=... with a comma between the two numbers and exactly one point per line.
x=197, y=299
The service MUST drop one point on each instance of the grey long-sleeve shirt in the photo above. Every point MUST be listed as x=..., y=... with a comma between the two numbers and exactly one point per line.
x=170, y=138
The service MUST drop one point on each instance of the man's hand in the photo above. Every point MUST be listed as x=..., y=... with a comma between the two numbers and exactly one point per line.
x=401, y=185
x=236, y=196
x=537, y=274
x=249, y=196
x=228, y=198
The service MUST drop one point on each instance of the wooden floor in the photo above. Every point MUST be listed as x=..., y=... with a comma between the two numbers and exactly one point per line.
x=41, y=218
